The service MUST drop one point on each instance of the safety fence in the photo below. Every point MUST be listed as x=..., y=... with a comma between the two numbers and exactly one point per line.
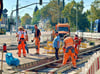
x=45, y=36
x=12, y=40
x=93, y=64
x=87, y=34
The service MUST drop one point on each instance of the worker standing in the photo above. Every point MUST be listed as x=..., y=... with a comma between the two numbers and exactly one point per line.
x=21, y=41
x=69, y=50
x=56, y=44
x=26, y=41
x=37, y=39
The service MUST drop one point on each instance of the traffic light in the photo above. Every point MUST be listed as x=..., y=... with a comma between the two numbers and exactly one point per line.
x=40, y=2
x=1, y=7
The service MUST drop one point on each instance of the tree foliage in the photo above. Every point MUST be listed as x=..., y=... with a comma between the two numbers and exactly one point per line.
x=74, y=11
x=26, y=19
x=95, y=10
x=36, y=17
x=52, y=11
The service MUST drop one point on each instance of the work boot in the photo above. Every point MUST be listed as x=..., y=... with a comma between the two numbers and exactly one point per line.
x=36, y=53
x=74, y=67
x=19, y=56
x=57, y=58
x=24, y=56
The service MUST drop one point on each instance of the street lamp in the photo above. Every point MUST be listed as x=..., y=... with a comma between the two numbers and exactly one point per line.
x=17, y=15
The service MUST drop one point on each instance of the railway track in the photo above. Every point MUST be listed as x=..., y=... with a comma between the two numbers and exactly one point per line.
x=14, y=47
x=52, y=66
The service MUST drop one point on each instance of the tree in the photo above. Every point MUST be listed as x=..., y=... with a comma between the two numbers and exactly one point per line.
x=52, y=11
x=26, y=19
x=95, y=10
x=36, y=17
x=70, y=11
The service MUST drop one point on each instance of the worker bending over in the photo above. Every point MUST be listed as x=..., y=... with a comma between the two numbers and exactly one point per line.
x=69, y=50
x=37, y=39
x=80, y=40
x=76, y=42
x=21, y=41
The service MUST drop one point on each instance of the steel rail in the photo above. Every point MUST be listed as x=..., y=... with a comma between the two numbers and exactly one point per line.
x=60, y=69
x=68, y=66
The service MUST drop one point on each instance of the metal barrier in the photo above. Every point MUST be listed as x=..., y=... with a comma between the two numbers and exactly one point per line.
x=93, y=64
x=45, y=36
x=87, y=35
x=12, y=40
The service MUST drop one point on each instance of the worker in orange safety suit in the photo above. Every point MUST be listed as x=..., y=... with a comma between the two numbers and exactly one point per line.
x=76, y=42
x=37, y=39
x=69, y=50
x=21, y=41
x=80, y=40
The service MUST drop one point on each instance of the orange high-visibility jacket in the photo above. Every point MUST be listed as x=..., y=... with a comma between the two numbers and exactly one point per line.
x=68, y=42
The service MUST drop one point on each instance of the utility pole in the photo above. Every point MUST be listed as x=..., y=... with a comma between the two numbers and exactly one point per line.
x=76, y=19
x=63, y=9
x=17, y=5
x=58, y=11
x=17, y=21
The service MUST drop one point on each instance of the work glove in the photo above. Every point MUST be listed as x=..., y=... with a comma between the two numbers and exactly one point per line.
x=32, y=40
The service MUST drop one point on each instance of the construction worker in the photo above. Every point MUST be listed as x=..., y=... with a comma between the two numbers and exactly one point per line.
x=76, y=42
x=37, y=39
x=21, y=41
x=80, y=39
x=69, y=50
x=26, y=41
x=56, y=44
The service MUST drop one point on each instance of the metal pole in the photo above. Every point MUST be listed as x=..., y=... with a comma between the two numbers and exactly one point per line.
x=63, y=9
x=76, y=19
x=7, y=23
x=91, y=27
x=17, y=12
x=17, y=15
x=91, y=24
x=58, y=11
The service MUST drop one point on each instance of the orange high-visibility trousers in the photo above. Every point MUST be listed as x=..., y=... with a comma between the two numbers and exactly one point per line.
x=64, y=50
x=76, y=50
x=37, y=44
x=66, y=57
x=21, y=45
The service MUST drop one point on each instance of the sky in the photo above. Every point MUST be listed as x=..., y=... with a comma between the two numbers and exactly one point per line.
x=11, y=5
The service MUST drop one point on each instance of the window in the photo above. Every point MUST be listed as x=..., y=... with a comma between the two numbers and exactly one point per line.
x=63, y=29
